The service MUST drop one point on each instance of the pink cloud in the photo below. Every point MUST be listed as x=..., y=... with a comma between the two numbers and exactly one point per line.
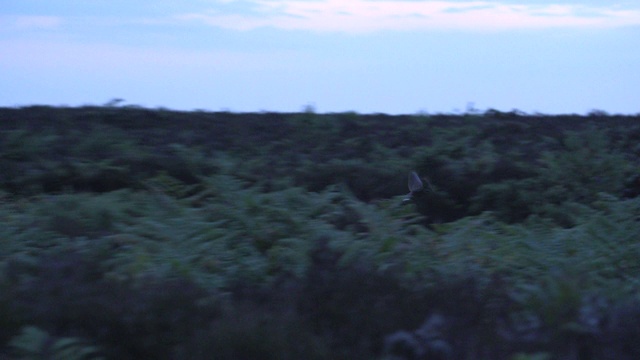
x=367, y=16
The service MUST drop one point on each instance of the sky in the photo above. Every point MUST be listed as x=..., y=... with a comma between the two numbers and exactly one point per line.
x=366, y=56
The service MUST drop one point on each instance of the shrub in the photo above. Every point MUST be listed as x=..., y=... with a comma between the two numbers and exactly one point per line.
x=68, y=295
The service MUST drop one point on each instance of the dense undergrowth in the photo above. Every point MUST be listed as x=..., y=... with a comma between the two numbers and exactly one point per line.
x=131, y=233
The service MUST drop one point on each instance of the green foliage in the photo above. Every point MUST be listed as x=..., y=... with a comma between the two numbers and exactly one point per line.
x=21, y=145
x=535, y=356
x=35, y=344
x=528, y=231
x=254, y=333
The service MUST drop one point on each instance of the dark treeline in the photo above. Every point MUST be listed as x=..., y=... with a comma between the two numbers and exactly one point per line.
x=502, y=162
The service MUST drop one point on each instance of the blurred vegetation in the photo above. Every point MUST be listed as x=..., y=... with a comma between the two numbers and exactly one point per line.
x=131, y=233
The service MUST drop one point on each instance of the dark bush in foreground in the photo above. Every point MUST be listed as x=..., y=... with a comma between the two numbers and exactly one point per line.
x=355, y=307
x=340, y=310
x=252, y=331
x=68, y=296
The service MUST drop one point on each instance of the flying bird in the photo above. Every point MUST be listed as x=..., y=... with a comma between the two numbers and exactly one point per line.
x=415, y=186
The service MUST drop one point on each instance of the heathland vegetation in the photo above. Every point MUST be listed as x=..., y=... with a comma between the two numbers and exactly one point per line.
x=132, y=233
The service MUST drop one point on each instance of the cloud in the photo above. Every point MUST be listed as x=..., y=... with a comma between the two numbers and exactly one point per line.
x=30, y=22
x=368, y=16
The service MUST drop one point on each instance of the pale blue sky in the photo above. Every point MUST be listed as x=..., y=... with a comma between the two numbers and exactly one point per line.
x=366, y=56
